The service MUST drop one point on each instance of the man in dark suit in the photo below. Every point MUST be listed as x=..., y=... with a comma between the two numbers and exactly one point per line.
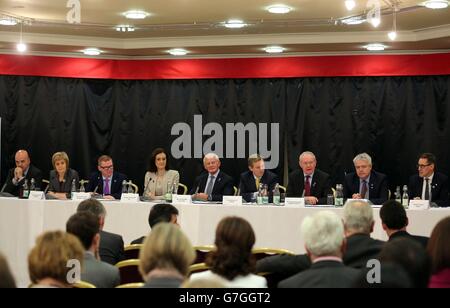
x=366, y=183
x=325, y=245
x=23, y=171
x=429, y=184
x=250, y=180
x=214, y=184
x=394, y=221
x=309, y=182
x=106, y=181
x=111, y=245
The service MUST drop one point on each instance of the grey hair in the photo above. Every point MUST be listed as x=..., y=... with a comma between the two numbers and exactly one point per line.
x=323, y=233
x=93, y=206
x=363, y=156
x=306, y=153
x=209, y=156
x=358, y=216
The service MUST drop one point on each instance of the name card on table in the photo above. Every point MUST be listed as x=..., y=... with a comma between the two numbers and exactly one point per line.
x=419, y=205
x=294, y=202
x=81, y=196
x=129, y=198
x=232, y=200
x=36, y=195
x=182, y=199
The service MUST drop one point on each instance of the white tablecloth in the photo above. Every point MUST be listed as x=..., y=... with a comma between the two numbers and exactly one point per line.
x=21, y=221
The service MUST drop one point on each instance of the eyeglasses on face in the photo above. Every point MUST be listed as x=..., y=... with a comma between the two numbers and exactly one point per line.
x=423, y=166
x=107, y=167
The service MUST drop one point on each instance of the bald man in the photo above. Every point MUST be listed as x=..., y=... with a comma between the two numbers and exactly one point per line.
x=23, y=170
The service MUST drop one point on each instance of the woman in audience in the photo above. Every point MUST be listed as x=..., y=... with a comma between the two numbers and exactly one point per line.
x=62, y=177
x=48, y=264
x=159, y=176
x=165, y=257
x=232, y=261
x=439, y=251
x=6, y=278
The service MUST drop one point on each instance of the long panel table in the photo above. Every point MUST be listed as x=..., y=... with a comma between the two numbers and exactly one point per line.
x=21, y=221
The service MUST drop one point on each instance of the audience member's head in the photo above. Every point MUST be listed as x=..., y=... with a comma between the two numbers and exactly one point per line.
x=6, y=278
x=391, y=276
x=203, y=284
x=358, y=217
x=95, y=207
x=48, y=260
x=166, y=248
x=323, y=235
x=86, y=227
x=439, y=246
x=411, y=256
x=234, y=242
x=393, y=217
x=163, y=212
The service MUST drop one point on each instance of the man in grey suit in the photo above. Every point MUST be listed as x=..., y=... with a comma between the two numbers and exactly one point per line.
x=86, y=227
x=325, y=244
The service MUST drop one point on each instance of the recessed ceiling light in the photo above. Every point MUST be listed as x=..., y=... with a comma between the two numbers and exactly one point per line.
x=436, y=4
x=135, y=14
x=124, y=28
x=235, y=24
x=92, y=52
x=357, y=20
x=375, y=22
x=274, y=49
x=350, y=4
x=375, y=47
x=392, y=35
x=8, y=21
x=21, y=47
x=279, y=9
x=178, y=52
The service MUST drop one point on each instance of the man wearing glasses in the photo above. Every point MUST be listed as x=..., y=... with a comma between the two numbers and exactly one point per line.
x=106, y=181
x=429, y=184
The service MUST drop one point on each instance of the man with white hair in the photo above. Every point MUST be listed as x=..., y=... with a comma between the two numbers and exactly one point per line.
x=366, y=183
x=214, y=184
x=325, y=245
x=308, y=181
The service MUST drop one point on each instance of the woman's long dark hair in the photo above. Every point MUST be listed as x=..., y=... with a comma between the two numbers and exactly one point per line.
x=152, y=161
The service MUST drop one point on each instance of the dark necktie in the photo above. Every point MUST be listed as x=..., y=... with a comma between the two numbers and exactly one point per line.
x=106, y=190
x=364, y=189
x=427, y=189
x=307, y=186
x=210, y=186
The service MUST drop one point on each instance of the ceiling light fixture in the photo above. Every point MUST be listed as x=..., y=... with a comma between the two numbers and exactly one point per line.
x=21, y=46
x=178, y=52
x=274, y=49
x=135, y=14
x=235, y=24
x=125, y=28
x=92, y=52
x=375, y=47
x=350, y=4
x=279, y=9
x=357, y=20
x=436, y=4
x=393, y=34
x=8, y=21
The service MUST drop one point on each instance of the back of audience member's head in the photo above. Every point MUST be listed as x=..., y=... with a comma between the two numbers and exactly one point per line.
x=358, y=217
x=323, y=234
x=393, y=215
x=6, y=278
x=411, y=256
x=95, y=207
x=439, y=246
x=162, y=212
x=234, y=242
x=85, y=226
x=49, y=257
x=390, y=276
x=203, y=284
x=168, y=248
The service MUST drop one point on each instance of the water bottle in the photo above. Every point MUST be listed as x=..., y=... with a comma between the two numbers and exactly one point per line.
x=339, y=200
x=276, y=195
x=82, y=190
x=124, y=187
x=175, y=188
x=74, y=188
x=26, y=189
x=398, y=196
x=130, y=187
x=168, y=195
x=265, y=195
x=32, y=185
x=405, y=197
x=259, y=197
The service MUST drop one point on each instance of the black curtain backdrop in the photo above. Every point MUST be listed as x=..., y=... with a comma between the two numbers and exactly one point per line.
x=392, y=118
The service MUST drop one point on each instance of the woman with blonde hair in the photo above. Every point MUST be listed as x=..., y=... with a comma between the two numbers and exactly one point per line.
x=165, y=257
x=62, y=177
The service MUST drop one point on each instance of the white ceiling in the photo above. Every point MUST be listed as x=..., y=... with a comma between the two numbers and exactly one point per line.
x=313, y=26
